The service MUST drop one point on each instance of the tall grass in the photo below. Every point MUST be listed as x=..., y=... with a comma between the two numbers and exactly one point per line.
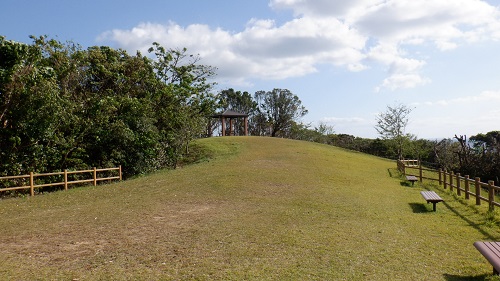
x=250, y=209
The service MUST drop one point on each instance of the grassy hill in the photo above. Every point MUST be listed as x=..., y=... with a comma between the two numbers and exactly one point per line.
x=251, y=209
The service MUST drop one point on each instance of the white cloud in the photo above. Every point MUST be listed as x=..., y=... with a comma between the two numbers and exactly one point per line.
x=466, y=115
x=403, y=72
x=349, y=34
x=263, y=50
x=394, y=24
x=402, y=81
x=485, y=97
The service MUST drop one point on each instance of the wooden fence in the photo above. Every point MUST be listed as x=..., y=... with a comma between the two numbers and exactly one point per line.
x=454, y=181
x=31, y=178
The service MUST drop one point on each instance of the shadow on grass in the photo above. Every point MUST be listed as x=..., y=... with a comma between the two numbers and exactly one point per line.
x=405, y=183
x=418, y=208
x=450, y=277
x=470, y=222
x=393, y=173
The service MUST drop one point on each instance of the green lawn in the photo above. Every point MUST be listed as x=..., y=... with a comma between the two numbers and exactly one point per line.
x=252, y=209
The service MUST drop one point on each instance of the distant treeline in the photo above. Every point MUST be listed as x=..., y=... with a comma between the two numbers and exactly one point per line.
x=478, y=156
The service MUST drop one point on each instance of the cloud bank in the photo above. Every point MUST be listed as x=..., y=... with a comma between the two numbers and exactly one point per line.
x=353, y=35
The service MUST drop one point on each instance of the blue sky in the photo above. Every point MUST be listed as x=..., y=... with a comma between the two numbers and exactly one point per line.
x=346, y=60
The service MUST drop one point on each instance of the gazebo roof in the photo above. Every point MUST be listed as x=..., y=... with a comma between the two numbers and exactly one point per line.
x=230, y=114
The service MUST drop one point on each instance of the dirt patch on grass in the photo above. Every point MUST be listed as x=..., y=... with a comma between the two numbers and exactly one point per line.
x=164, y=235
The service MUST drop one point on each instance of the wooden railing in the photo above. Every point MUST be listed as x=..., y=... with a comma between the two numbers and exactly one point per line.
x=454, y=181
x=410, y=163
x=31, y=182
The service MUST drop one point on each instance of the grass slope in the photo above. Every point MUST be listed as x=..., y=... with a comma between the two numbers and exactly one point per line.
x=262, y=209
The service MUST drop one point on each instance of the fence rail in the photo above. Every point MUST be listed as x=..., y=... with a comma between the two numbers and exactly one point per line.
x=454, y=181
x=31, y=178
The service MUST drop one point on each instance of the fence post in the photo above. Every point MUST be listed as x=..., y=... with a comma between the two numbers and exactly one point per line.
x=459, y=192
x=402, y=167
x=440, y=176
x=444, y=179
x=491, y=194
x=451, y=180
x=32, y=185
x=120, y=171
x=95, y=176
x=420, y=171
x=477, y=183
x=65, y=179
x=467, y=188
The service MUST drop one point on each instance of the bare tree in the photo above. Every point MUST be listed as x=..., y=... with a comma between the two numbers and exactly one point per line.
x=391, y=125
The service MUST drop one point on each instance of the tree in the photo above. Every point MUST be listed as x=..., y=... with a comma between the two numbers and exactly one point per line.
x=281, y=109
x=31, y=110
x=391, y=125
x=237, y=101
x=319, y=134
x=62, y=107
x=487, y=152
x=185, y=103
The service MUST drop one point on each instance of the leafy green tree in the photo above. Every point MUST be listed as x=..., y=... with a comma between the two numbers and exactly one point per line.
x=487, y=152
x=237, y=101
x=322, y=131
x=184, y=104
x=31, y=109
x=114, y=117
x=281, y=108
x=485, y=143
x=62, y=107
x=300, y=131
x=379, y=147
x=319, y=134
x=258, y=124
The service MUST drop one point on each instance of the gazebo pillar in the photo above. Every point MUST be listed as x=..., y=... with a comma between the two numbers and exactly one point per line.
x=223, y=126
x=246, y=126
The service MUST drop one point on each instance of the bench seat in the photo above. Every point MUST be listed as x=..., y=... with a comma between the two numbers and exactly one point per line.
x=411, y=179
x=491, y=251
x=431, y=197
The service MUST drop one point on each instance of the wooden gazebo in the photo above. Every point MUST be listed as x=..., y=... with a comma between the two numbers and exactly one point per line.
x=229, y=114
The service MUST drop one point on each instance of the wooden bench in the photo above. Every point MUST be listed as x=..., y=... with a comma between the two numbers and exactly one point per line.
x=412, y=179
x=431, y=197
x=491, y=251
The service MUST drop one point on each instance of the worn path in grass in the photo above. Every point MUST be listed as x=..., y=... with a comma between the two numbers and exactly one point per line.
x=262, y=209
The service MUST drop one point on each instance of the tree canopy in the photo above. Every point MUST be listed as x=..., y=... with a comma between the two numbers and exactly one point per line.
x=64, y=107
x=281, y=109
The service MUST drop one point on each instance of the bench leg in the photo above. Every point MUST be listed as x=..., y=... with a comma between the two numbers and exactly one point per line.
x=495, y=272
x=434, y=206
